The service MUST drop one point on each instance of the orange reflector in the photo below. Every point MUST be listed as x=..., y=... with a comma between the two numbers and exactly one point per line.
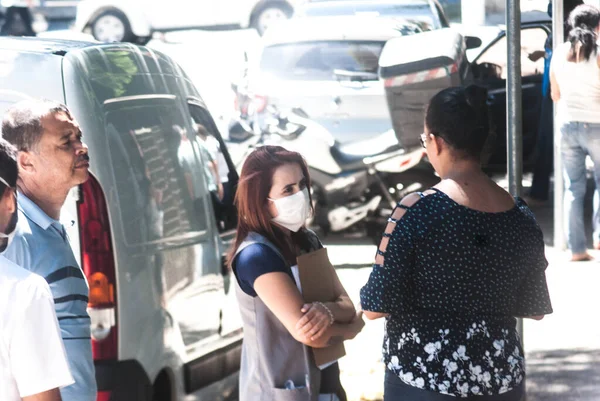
x=101, y=291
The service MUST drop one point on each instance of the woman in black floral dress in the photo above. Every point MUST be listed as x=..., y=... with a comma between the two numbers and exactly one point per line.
x=456, y=265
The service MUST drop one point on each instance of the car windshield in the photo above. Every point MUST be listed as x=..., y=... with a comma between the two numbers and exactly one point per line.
x=320, y=60
x=420, y=14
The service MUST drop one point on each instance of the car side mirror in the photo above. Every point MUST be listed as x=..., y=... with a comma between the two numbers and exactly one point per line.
x=472, y=42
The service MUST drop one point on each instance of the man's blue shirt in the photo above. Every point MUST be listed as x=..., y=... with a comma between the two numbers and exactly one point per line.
x=41, y=245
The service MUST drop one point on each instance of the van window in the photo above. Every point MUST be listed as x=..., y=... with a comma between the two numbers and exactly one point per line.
x=160, y=186
x=221, y=181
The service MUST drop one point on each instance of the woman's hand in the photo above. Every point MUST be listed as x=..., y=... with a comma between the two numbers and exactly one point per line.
x=315, y=322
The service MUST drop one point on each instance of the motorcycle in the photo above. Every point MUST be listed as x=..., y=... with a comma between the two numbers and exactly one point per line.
x=348, y=180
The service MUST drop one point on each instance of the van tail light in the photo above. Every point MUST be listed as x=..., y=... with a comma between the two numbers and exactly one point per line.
x=103, y=396
x=259, y=103
x=98, y=263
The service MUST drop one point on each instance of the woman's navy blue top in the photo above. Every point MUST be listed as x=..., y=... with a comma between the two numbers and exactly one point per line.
x=453, y=280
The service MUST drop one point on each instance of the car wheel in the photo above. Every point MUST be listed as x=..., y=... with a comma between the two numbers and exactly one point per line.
x=270, y=14
x=112, y=26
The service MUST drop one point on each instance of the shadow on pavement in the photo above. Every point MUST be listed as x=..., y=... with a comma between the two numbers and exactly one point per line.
x=563, y=375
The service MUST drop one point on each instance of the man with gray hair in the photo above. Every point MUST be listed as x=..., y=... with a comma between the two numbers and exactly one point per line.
x=33, y=364
x=52, y=159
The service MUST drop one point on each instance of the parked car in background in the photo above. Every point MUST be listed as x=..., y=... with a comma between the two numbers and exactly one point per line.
x=54, y=9
x=327, y=67
x=164, y=319
x=427, y=14
x=411, y=78
x=136, y=20
x=45, y=13
x=58, y=9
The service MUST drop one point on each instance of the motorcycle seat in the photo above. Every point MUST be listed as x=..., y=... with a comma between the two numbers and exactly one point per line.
x=351, y=155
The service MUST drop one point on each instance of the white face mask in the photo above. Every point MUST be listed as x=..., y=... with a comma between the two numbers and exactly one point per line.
x=292, y=210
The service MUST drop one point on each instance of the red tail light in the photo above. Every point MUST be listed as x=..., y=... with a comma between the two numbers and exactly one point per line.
x=103, y=396
x=98, y=263
x=259, y=103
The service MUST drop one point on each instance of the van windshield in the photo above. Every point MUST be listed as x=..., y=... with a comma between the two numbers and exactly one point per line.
x=318, y=61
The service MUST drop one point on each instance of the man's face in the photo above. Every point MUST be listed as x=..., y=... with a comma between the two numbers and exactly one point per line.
x=61, y=159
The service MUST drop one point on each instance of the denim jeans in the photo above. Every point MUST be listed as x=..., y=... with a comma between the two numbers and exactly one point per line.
x=396, y=390
x=579, y=140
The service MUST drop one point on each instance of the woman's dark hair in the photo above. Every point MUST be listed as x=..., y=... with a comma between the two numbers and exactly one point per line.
x=251, y=200
x=460, y=116
x=583, y=20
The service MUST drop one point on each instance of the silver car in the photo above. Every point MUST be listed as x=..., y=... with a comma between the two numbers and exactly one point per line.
x=428, y=14
x=327, y=67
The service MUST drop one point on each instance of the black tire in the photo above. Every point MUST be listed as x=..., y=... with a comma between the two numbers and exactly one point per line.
x=142, y=40
x=255, y=21
x=128, y=35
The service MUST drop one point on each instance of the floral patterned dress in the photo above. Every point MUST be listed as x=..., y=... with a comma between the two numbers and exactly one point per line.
x=452, y=282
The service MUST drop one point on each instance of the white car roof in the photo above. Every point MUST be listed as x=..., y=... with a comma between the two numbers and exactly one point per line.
x=346, y=28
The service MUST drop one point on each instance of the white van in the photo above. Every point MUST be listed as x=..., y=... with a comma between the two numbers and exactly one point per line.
x=147, y=233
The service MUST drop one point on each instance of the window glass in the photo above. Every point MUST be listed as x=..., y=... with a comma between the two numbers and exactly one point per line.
x=215, y=168
x=159, y=179
x=319, y=60
x=419, y=14
x=532, y=47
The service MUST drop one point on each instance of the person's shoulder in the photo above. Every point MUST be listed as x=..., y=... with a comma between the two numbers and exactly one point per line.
x=257, y=253
x=16, y=277
x=20, y=249
x=11, y=271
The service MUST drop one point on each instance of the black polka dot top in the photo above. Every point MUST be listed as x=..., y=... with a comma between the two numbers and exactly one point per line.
x=453, y=280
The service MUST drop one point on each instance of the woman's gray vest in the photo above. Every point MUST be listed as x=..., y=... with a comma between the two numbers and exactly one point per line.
x=270, y=355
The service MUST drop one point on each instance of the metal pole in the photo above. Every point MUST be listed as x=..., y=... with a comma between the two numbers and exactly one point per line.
x=514, y=110
x=558, y=18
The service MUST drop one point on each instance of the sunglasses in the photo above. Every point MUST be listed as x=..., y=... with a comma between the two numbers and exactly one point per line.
x=423, y=139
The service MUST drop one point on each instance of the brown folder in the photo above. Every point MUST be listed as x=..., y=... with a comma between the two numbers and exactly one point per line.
x=316, y=279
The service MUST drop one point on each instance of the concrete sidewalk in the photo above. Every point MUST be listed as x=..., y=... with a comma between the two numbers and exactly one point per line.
x=563, y=350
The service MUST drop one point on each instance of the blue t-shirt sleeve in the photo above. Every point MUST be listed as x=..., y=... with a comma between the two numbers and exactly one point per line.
x=253, y=262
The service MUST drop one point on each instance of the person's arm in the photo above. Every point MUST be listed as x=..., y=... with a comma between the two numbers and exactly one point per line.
x=50, y=395
x=214, y=168
x=386, y=288
x=342, y=310
x=375, y=315
x=282, y=297
x=532, y=299
x=554, y=88
x=536, y=55
x=38, y=359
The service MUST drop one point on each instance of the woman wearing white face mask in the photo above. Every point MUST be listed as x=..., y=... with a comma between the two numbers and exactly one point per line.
x=273, y=201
